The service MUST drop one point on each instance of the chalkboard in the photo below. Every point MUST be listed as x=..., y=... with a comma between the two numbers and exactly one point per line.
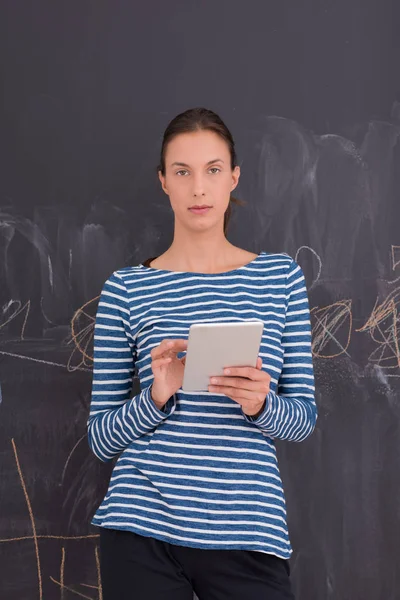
x=310, y=92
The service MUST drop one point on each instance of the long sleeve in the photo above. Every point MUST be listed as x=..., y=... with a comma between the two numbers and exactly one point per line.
x=291, y=413
x=116, y=419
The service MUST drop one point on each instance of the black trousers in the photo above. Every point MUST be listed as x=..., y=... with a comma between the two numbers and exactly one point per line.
x=134, y=567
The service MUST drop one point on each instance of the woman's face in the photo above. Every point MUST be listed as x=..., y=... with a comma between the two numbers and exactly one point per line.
x=198, y=172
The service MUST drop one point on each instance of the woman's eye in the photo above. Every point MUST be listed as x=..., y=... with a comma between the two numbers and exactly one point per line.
x=183, y=172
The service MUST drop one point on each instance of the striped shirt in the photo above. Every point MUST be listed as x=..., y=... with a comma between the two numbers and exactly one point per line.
x=199, y=472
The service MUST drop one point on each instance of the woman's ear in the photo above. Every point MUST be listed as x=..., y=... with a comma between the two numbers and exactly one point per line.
x=163, y=183
x=235, y=177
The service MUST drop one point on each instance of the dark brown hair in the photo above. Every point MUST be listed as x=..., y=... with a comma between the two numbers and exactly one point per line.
x=197, y=119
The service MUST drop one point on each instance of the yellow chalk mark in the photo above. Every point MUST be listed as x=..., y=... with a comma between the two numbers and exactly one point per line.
x=329, y=321
x=96, y=552
x=69, y=589
x=48, y=537
x=62, y=568
x=33, y=524
x=382, y=326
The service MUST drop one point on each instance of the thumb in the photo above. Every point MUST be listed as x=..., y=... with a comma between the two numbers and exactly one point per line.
x=259, y=362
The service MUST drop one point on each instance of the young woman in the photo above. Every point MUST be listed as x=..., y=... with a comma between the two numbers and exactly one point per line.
x=195, y=501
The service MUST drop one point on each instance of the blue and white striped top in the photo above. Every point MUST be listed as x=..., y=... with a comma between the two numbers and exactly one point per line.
x=200, y=472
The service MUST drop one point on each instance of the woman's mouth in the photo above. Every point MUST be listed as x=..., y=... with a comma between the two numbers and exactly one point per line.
x=200, y=210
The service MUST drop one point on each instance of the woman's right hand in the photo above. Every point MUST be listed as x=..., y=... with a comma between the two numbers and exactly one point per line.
x=167, y=369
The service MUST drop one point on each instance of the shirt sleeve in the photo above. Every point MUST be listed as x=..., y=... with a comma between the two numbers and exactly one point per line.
x=116, y=419
x=291, y=413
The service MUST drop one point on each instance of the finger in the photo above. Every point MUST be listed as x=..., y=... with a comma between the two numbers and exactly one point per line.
x=171, y=346
x=159, y=362
x=238, y=382
x=179, y=344
x=245, y=402
x=159, y=350
x=232, y=392
x=249, y=372
x=248, y=399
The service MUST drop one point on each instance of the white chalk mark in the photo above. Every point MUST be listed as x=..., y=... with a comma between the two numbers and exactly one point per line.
x=43, y=313
x=395, y=256
x=50, y=271
x=70, y=455
x=44, y=362
x=318, y=259
x=395, y=262
x=70, y=266
x=18, y=310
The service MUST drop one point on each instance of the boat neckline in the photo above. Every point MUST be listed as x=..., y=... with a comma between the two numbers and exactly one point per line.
x=249, y=264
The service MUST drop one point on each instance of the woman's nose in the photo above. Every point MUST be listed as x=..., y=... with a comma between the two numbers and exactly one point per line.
x=198, y=187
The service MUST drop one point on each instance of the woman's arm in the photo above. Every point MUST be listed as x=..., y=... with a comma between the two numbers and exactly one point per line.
x=291, y=413
x=115, y=418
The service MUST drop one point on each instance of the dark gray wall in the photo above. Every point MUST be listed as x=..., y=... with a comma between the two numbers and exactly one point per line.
x=309, y=90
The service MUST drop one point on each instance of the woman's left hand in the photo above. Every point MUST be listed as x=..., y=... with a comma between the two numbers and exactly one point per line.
x=248, y=386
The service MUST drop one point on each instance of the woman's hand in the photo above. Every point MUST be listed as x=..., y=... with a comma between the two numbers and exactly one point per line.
x=167, y=369
x=248, y=386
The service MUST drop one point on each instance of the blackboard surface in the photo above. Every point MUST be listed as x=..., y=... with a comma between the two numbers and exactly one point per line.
x=310, y=91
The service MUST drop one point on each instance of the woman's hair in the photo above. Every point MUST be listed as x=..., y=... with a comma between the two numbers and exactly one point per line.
x=198, y=119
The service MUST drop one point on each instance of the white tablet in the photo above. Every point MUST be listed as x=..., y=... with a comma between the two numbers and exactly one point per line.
x=214, y=346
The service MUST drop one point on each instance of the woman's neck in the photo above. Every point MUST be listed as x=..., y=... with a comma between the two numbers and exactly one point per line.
x=202, y=260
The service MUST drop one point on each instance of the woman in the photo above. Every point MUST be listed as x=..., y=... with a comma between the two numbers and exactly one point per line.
x=195, y=501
